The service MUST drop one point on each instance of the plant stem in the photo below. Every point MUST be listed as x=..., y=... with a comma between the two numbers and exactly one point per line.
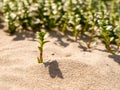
x=108, y=48
x=41, y=56
x=118, y=47
x=91, y=38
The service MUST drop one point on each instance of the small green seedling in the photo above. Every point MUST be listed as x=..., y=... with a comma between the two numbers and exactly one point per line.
x=41, y=41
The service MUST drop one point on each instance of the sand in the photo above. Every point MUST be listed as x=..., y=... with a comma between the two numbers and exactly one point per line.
x=67, y=65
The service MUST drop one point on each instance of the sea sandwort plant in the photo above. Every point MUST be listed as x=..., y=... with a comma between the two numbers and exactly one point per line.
x=41, y=40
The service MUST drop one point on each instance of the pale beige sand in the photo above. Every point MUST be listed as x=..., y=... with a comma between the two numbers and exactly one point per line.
x=66, y=66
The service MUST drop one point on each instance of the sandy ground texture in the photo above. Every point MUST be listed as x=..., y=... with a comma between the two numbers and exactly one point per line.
x=67, y=65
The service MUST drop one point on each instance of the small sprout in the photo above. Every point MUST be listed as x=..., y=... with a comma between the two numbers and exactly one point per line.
x=40, y=37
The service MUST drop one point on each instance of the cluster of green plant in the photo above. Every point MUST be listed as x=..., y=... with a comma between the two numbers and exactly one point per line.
x=84, y=18
x=19, y=14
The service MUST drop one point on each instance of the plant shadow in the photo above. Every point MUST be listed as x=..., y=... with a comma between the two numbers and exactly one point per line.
x=22, y=35
x=59, y=36
x=101, y=50
x=83, y=43
x=115, y=57
x=54, y=69
x=84, y=48
x=1, y=25
x=1, y=21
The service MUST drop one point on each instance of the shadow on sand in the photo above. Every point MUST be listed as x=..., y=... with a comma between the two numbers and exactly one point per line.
x=23, y=35
x=1, y=22
x=115, y=57
x=54, y=69
x=59, y=36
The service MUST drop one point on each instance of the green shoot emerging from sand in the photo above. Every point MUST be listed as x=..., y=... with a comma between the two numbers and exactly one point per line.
x=40, y=37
